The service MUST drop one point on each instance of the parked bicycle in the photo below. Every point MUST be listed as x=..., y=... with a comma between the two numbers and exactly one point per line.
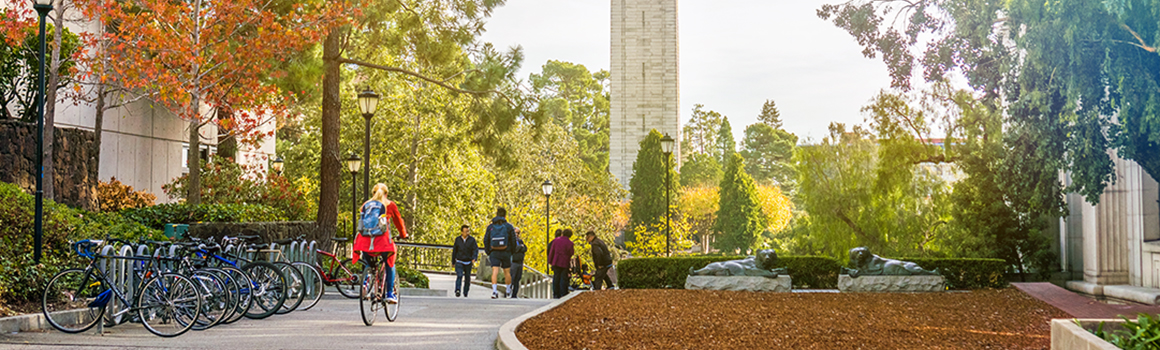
x=341, y=273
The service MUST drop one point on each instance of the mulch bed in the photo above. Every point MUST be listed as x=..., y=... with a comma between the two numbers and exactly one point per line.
x=689, y=319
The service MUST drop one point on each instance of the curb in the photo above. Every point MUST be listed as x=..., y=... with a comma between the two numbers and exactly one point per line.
x=423, y=292
x=29, y=322
x=506, y=339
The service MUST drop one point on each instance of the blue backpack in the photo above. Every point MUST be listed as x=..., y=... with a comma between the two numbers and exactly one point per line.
x=371, y=225
x=499, y=236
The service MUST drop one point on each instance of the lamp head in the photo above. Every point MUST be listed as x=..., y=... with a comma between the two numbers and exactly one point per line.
x=547, y=186
x=368, y=101
x=42, y=2
x=667, y=144
x=353, y=163
x=278, y=164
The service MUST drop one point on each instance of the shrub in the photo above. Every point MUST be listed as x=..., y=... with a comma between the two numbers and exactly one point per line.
x=224, y=181
x=812, y=272
x=411, y=277
x=807, y=271
x=179, y=213
x=113, y=196
x=967, y=273
x=1139, y=334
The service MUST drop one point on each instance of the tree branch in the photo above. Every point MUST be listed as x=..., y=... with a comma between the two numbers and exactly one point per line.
x=425, y=78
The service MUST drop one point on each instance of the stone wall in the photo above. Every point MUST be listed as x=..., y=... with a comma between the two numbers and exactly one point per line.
x=269, y=231
x=73, y=153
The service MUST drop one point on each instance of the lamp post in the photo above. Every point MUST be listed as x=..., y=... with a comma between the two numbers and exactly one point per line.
x=353, y=163
x=277, y=165
x=42, y=8
x=547, y=187
x=667, y=148
x=368, y=101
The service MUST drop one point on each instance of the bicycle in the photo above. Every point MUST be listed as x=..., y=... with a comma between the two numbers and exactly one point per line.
x=168, y=304
x=373, y=292
x=340, y=273
x=266, y=282
x=297, y=285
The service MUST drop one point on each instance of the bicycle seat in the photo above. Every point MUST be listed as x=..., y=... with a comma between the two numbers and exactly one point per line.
x=248, y=237
x=340, y=239
x=284, y=241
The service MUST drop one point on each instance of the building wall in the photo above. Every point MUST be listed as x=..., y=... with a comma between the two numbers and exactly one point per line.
x=645, y=84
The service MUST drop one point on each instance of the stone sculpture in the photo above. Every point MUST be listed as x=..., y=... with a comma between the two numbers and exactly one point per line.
x=867, y=264
x=760, y=265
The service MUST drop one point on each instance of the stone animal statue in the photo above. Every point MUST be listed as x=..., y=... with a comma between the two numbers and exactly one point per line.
x=868, y=264
x=760, y=265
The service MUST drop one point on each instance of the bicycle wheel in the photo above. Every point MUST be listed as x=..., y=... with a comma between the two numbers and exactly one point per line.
x=312, y=286
x=347, y=277
x=294, y=288
x=268, y=286
x=231, y=289
x=368, y=298
x=72, y=300
x=392, y=310
x=244, y=293
x=169, y=305
x=215, y=302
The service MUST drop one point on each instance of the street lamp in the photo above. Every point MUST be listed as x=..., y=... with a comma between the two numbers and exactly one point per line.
x=278, y=164
x=667, y=148
x=352, y=164
x=368, y=101
x=42, y=7
x=547, y=186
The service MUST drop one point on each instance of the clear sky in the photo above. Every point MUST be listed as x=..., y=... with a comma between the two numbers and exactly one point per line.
x=735, y=54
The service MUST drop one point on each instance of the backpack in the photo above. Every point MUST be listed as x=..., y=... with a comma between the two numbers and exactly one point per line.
x=371, y=224
x=499, y=236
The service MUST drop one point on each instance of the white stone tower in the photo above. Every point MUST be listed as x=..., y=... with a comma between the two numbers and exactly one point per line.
x=645, y=86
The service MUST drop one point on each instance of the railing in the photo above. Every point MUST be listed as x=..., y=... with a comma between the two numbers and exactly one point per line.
x=437, y=258
x=535, y=284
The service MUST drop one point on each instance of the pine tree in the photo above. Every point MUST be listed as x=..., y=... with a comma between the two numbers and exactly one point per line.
x=700, y=169
x=770, y=115
x=647, y=185
x=725, y=144
x=740, y=220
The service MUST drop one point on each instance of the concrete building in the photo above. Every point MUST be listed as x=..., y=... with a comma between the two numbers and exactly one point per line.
x=1112, y=249
x=645, y=84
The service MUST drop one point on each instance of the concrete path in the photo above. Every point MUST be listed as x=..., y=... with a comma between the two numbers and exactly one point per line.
x=447, y=282
x=335, y=323
x=1080, y=306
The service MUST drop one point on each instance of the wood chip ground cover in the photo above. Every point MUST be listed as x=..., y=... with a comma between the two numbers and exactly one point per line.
x=688, y=319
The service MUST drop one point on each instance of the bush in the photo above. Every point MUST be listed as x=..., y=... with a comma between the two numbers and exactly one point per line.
x=224, y=181
x=179, y=213
x=812, y=272
x=807, y=271
x=411, y=278
x=113, y=196
x=967, y=273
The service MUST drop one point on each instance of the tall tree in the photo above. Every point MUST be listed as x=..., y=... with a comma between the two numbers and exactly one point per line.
x=577, y=99
x=700, y=169
x=725, y=144
x=700, y=133
x=770, y=115
x=647, y=186
x=769, y=152
x=740, y=221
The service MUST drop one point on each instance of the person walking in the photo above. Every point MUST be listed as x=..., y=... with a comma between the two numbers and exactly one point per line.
x=517, y=265
x=602, y=258
x=463, y=255
x=560, y=259
x=498, y=244
x=374, y=239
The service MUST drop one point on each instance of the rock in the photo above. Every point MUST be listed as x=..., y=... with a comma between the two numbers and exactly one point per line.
x=781, y=284
x=891, y=283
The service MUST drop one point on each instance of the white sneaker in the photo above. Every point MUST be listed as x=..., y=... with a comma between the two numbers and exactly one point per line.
x=494, y=295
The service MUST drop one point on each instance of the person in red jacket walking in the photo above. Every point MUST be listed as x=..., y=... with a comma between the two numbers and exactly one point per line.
x=560, y=257
x=375, y=240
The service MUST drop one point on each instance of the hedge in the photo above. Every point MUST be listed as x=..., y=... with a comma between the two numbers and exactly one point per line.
x=179, y=213
x=816, y=272
x=653, y=273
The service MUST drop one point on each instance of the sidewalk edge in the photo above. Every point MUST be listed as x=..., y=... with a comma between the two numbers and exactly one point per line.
x=506, y=340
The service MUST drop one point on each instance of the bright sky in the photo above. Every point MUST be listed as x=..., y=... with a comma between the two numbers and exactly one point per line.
x=735, y=54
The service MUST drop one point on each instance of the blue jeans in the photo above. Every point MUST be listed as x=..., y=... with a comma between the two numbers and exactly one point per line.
x=463, y=277
x=517, y=274
x=559, y=282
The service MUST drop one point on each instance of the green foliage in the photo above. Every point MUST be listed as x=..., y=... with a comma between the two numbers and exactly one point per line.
x=725, y=144
x=577, y=100
x=740, y=220
x=18, y=69
x=671, y=272
x=811, y=272
x=967, y=273
x=1141, y=334
x=700, y=169
x=769, y=154
x=113, y=196
x=411, y=278
x=770, y=115
x=700, y=133
x=652, y=240
x=179, y=213
x=648, y=187
x=224, y=181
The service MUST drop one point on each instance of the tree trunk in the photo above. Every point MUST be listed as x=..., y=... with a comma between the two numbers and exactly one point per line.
x=99, y=126
x=53, y=72
x=193, y=183
x=330, y=172
x=413, y=176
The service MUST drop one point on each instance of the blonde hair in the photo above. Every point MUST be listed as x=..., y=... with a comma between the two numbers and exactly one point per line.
x=380, y=192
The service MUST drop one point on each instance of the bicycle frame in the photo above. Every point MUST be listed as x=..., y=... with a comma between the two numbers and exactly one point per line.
x=328, y=272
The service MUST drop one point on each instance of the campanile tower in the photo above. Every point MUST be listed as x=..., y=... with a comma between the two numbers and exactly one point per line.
x=645, y=84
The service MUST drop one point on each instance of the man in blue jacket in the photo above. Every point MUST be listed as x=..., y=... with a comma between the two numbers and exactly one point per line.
x=498, y=242
x=463, y=255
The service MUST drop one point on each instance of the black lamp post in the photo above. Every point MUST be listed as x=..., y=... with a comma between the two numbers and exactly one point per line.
x=667, y=148
x=42, y=7
x=353, y=163
x=547, y=186
x=277, y=165
x=368, y=101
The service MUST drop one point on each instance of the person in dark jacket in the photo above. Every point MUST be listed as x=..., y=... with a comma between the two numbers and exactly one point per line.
x=497, y=243
x=463, y=255
x=517, y=265
x=602, y=258
x=561, y=259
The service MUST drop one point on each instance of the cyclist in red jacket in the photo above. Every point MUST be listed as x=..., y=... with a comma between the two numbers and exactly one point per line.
x=377, y=240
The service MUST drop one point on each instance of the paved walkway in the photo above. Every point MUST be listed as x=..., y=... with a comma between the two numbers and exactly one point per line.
x=1080, y=306
x=447, y=282
x=335, y=323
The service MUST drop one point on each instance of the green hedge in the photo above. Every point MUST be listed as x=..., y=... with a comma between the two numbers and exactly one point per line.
x=967, y=273
x=179, y=213
x=412, y=278
x=652, y=273
x=808, y=272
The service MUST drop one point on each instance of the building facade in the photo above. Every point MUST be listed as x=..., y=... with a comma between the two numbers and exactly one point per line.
x=645, y=84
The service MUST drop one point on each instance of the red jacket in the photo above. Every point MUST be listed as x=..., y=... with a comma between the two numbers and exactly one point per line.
x=381, y=243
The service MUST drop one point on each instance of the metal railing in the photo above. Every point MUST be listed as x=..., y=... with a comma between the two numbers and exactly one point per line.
x=437, y=258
